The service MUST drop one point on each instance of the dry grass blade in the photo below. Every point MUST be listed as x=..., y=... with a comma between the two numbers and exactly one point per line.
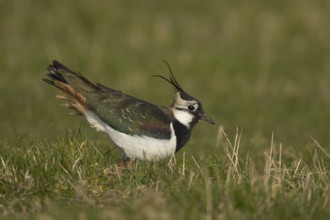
x=320, y=147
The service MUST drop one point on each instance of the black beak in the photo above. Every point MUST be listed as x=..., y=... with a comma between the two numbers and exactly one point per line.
x=206, y=118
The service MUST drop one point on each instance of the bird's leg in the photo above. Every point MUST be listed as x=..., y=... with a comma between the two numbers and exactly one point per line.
x=130, y=163
x=122, y=163
x=125, y=163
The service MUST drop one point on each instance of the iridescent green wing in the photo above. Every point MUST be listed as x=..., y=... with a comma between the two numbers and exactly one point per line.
x=130, y=115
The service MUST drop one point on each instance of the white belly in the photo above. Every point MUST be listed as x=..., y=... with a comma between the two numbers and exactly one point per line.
x=140, y=147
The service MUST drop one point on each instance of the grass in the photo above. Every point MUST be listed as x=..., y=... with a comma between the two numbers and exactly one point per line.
x=260, y=69
x=65, y=178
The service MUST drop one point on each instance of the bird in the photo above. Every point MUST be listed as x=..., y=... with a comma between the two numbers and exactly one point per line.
x=141, y=130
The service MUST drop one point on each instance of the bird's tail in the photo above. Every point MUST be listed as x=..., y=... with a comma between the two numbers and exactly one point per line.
x=74, y=86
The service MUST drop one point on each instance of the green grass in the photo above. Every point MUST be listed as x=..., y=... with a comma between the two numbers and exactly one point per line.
x=64, y=178
x=261, y=70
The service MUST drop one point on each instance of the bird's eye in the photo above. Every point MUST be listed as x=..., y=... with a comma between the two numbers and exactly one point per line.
x=191, y=108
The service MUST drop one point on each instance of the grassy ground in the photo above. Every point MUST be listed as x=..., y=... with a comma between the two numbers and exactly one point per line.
x=261, y=70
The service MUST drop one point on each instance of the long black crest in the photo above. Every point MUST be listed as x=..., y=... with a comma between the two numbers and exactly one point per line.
x=172, y=79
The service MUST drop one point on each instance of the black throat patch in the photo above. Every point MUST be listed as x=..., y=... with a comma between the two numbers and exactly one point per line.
x=182, y=134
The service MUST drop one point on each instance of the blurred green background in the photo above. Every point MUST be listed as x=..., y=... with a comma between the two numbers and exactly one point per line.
x=262, y=66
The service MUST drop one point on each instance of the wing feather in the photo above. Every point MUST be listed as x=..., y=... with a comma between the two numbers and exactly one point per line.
x=130, y=115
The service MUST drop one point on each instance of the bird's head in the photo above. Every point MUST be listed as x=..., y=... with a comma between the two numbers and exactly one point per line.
x=186, y=109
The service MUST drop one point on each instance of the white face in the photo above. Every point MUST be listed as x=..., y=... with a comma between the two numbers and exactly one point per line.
x=183, y=117
x=184, y=110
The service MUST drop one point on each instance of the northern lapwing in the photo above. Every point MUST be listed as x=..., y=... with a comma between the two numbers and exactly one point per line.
x=140, y=129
